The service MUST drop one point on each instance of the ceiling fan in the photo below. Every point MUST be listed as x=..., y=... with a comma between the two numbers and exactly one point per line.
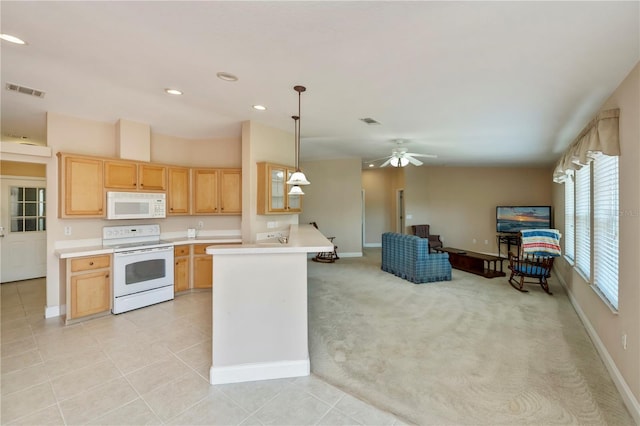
x=400, y=157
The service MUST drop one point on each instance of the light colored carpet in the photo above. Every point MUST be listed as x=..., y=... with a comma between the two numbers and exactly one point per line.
x=471, y=351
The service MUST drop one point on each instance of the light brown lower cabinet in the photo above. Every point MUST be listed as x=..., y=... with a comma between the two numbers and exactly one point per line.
x=88, y=281
x=202, y=267
x=181, y=273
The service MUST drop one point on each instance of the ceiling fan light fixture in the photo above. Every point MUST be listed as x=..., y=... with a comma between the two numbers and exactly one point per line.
x=399, y=161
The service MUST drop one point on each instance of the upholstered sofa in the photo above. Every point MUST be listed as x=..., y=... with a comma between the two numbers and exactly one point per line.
x=408, y=257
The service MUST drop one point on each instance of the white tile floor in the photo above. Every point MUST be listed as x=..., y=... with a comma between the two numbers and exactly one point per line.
x=148, y=366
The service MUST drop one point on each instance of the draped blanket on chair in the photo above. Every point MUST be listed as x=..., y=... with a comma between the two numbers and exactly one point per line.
x=541, y=242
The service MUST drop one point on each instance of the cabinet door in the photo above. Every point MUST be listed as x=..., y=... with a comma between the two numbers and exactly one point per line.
x=152, y=178
x=120, y=175
x=90, y=293
x=82, y=193
x=178, y=195
x=181, y=274
x=231, y=191
x=205, y=182
x=203, y=271
x=277, y=189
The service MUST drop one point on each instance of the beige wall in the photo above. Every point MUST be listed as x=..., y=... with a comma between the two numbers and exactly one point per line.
x=333, y=200
x=460, y=202
x=79, y=136
x=379, y=199
x=15, y=168
x=610, y=327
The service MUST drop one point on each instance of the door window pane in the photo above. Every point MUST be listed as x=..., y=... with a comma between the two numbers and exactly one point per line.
x=30, y=194
x=27, y=209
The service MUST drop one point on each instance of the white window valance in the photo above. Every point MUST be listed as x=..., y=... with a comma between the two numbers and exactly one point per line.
x=599, y=136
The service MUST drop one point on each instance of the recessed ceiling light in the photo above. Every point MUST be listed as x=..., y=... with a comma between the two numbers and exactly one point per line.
x=226, y=76
x=173, y=91
x=370, y=165
x=12, y=39
x=260, y=107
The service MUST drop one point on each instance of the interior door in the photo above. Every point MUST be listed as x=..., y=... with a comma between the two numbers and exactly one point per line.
x=23, y=237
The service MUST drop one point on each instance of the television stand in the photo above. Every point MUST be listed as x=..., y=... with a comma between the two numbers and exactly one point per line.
x=510, y=240
x=481, y=264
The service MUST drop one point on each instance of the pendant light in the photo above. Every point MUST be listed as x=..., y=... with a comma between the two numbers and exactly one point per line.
x=297, y=178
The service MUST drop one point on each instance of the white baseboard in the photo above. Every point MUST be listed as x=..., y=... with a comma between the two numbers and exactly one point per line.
x=54, y=311
x=259, y=371
x=353, y=254
x=372, y=244
x=627, y=395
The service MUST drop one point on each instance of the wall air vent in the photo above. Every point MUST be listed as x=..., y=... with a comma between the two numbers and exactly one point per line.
x=25, y=90
x=369, y=120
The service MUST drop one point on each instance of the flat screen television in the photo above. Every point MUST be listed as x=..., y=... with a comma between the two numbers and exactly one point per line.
x=512, y=219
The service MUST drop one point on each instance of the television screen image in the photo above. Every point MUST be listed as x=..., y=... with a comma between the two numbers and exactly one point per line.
x=511, y=219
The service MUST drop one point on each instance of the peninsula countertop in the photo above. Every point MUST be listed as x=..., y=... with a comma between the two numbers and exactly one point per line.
x=301, y=239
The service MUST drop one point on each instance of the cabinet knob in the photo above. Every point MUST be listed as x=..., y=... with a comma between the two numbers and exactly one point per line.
x=90, y=263
x=107, y=275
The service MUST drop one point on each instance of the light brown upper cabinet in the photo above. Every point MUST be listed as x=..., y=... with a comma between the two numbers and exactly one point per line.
x=273, y=191
x=217, y=191
x=132, y=176
x=231, y=191
x=80, y=186
x=178, y=194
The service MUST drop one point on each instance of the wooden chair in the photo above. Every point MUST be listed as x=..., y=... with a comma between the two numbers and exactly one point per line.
x=326, y=256
x=527, y=265
x=422, y=231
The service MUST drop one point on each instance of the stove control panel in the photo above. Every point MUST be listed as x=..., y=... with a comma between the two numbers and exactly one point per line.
x=130, y=231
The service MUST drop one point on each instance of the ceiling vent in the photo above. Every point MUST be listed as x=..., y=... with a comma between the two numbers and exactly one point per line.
x=25, y=90
x=369, y=120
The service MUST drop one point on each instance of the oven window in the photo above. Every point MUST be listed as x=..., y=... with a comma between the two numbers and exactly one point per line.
x=145, y=271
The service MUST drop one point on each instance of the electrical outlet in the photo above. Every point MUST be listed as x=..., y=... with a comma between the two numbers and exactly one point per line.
x=200, y=224
x=67, y=230
x=486, y=242
x=475, y=241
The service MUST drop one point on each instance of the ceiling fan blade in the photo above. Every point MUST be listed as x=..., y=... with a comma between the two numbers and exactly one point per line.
x=413, y=160
x=423, y=155
x=386, y=163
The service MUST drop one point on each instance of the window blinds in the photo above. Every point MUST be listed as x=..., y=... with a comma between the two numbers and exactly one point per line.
x=569, y=219
x=605, y=224
x=583, y=223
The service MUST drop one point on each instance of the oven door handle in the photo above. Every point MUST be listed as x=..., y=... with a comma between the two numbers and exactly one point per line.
x=142, y=251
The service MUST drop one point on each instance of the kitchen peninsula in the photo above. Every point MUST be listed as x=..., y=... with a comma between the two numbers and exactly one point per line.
x=260, y=307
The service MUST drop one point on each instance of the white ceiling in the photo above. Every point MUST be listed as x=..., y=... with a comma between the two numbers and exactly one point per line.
x=483, y=83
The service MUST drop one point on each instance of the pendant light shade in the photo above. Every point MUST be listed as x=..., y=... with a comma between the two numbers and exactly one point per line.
x=296, y=190
x=297, y=178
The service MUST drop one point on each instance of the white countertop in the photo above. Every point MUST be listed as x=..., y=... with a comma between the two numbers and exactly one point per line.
x=93, y=250
x=302, y=239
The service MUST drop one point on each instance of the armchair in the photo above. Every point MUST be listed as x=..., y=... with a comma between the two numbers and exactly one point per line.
x=422, y=231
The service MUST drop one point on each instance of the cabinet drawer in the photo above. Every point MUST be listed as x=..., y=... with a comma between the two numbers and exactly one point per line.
x=181, y=251
x=200, y=248
x=89, y=263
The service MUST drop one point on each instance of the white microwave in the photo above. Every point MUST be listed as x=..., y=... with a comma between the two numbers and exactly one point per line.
x=136, y=205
